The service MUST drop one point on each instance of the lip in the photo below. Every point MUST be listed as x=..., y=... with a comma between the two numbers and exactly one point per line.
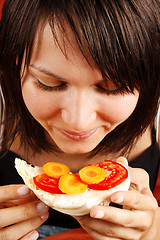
x=77, y=135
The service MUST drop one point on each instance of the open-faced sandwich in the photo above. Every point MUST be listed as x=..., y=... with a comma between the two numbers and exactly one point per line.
x=74, y=194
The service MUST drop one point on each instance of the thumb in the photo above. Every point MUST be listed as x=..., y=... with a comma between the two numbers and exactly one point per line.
x=123, y=161
x=139, y=178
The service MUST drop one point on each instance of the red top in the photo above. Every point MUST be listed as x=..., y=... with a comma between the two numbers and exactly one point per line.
x=1, y=4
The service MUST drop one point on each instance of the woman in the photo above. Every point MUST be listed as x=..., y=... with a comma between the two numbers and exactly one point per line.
x=80, y=81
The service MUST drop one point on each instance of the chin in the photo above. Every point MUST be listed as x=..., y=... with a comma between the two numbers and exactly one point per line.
x=75, y=151
x=77, y=147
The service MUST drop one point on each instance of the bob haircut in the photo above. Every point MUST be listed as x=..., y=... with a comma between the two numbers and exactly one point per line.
x=123, y=38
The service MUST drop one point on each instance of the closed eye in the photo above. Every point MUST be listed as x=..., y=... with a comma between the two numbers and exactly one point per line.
x=109, y=88
x=117, y=91
x=60, y=87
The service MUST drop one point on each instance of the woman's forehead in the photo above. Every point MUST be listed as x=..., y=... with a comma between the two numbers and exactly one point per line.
x=55, y=43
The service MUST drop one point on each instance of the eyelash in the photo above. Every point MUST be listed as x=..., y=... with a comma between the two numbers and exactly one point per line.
x=118, y=91
x=44, y=87
x=63, y=86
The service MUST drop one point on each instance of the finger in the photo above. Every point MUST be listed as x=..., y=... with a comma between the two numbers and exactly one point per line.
x=13, y=192
x=22, y=213
x=17, y=202
x=104, y=229
x=123, y=161
x=121, y=217
x=12, y=203
x=139, y=178
x=19, y=230
x=32, y=236
x=135, y=200
x=97, y=235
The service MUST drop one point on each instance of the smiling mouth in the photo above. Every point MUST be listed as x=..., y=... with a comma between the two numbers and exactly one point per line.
x=77, y=135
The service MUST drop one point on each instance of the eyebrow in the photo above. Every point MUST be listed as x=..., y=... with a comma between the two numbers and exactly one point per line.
x=51, y=74
x=45, y=71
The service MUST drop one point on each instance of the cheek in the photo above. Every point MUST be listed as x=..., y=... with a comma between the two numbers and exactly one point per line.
x=40, y=105
x=118, y=109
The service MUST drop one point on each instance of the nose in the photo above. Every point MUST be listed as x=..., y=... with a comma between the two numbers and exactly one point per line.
x=79, y=111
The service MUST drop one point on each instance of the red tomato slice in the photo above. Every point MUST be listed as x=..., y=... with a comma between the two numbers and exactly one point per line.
x=115, y=174
x=47, y=184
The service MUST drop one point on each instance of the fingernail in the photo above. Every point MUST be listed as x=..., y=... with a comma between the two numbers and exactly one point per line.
x=33, y=235
x=100, y=214
x=23, y=191
x=44, y=216
x=42, y=207
x=116, y=199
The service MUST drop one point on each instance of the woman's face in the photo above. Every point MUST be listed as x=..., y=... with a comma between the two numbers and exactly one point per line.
x=69, y=98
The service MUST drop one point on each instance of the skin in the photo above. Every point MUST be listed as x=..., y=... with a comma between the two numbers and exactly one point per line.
x=79, y=115
x=79, y=109
x=137, y=220
x=20, y=208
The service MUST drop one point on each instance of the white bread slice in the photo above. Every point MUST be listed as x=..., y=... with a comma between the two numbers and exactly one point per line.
x=72, y=204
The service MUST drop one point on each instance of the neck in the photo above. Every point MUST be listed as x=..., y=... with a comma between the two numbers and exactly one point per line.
x=76, y=161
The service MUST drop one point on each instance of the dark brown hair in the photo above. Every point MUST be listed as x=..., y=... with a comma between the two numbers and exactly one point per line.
x=123, y=38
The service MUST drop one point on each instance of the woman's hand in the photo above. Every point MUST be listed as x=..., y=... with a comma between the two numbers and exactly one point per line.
x=20, y=213
x=138, y=220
